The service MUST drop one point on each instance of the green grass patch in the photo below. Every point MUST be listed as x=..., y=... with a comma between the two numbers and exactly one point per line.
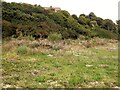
x=90, y=68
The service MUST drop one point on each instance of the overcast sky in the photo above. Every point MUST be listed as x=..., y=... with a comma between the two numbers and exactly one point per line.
x=102, y=8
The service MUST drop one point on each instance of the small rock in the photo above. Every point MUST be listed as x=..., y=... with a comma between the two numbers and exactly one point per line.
x=40, y=83
x=7, y=86
x=116, y=87
x=89, y=65
x=103, y=65
x=50, y=55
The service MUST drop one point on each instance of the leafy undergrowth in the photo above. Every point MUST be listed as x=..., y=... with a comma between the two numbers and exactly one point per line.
x=66, y=64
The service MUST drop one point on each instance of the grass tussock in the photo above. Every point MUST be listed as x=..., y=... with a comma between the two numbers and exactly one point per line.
x=22, y=50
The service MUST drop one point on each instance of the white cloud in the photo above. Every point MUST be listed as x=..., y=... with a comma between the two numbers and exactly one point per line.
x=102, y=8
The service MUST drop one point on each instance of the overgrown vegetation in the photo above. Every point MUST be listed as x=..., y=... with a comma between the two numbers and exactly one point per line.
x=21, y=19
x=48, y=49
x=55, y=37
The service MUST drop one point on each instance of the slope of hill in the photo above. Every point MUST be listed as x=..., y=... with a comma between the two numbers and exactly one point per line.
x=21, y=19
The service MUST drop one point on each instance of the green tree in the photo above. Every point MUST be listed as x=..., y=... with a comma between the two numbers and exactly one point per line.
x=109, y=25
x=8, y=29
x=83, y=20
x=65, y=13
x=92, y=16
x=100, y=21
x=75, y=17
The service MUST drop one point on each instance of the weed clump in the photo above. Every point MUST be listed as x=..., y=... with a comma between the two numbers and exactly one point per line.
x=22, y=49
x=40, y=79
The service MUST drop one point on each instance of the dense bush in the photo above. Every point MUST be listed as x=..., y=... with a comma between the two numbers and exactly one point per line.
x=21, y=19
x=106, y=34
x=83, y=20
x=55, y=37
x=8, y=29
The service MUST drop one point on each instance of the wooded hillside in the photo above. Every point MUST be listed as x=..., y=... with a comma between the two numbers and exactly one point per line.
x=21, y=19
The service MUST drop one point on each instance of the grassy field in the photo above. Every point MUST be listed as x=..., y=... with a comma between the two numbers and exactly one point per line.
x=65, y=64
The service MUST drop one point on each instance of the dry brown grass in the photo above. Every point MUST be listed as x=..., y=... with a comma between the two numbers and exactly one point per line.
x=45, y=46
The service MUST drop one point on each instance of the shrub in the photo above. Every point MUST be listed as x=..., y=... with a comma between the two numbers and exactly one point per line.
x=83, y=20
x=69, y=33
x=102, y=33
x=22, y=49
x=55, y=37
x=8, y=29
